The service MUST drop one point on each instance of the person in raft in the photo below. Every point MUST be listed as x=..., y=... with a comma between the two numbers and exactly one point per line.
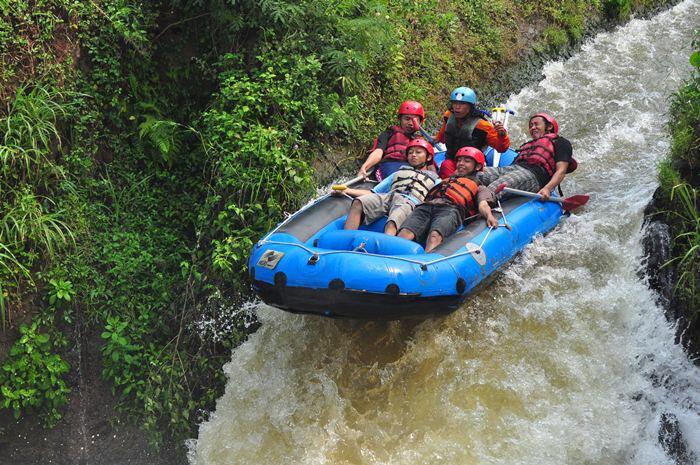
x=465, y=126
x=389, y=149
x=449, y=203
x=541, y=164
x=396, y=195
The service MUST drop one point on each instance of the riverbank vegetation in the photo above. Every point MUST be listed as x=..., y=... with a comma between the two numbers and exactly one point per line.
x=146, y=145
x=679, y=199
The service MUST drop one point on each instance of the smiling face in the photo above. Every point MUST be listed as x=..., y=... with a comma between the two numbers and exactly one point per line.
x=417, y=156
x=465, y=166
x=538, y=127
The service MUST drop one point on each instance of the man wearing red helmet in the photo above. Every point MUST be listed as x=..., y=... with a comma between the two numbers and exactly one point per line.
x=449, y=203
x=389, y=149
x=398, y=194
x=542, y=162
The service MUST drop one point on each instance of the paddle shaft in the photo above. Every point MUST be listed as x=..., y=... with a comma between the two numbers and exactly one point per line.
x=532, y=195
x=568, y=204
x=427, y=136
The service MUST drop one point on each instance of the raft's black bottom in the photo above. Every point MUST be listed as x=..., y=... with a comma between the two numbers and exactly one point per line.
x=344, y=303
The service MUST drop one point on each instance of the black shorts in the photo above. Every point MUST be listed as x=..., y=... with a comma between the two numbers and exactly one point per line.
x=426, y=217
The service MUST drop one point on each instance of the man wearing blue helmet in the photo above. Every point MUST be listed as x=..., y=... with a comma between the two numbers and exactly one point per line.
x=465, y=126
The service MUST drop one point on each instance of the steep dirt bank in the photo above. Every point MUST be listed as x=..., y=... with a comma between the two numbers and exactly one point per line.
x=91, y=430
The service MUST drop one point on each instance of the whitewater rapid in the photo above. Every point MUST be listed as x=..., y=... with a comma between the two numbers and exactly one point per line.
x=565, y=359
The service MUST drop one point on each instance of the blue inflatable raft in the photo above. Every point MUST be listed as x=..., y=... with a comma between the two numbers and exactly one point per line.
x=310, y=264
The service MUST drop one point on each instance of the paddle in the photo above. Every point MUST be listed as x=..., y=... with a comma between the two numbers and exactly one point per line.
x=568, y=204
x=496, y=116
x=423, y=132
x=342, y=187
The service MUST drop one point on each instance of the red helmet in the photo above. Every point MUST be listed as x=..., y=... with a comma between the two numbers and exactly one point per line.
x=473, y=153
x=422, y=143
x=548, y=119
x=409, y=107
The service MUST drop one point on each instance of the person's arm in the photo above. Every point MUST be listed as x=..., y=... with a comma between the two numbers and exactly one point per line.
x=374, y=157
x=562, y=156
x=376, y=153
x=349, y=191
x=440, y=137
x=484, y=197
x=496, y=136
x=557, y=178
x=380, y=188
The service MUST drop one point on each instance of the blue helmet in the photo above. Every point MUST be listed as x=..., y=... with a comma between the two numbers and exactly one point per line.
x=463, y=94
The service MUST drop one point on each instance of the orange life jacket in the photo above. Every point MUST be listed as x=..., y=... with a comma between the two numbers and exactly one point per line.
x=460, y=190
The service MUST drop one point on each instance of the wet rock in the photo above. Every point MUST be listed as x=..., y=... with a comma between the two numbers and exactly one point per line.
x=672, y=441
x=657, y=244
x=657, y=249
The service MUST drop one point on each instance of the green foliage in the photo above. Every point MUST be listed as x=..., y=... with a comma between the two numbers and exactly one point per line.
x=32, y=228
x=695, y=59
x=32, y=43
x=10, y=264
x=11, y=272
x=28, y=223
x=30, y=136
x=139, y=370
x=32, y=374
x=668, y=177
x=684, y=122
x=186, y=131
x=619, y=9
x=688, y=242
x=163, y=135
x=60, y=291
x=681, y=190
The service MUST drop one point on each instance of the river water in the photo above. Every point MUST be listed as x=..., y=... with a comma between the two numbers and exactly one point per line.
x=564, y=359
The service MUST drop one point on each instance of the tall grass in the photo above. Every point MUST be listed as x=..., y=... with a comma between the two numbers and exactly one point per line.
x=29, y=223
x=32, y=232
x=30, y=133
x=32, y=228
x=9, y=266
x=688, y=242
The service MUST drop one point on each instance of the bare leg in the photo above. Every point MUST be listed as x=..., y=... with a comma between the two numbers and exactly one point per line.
x=407, y=234
x=390, y=228
x=434, y=239
x=354, y=216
